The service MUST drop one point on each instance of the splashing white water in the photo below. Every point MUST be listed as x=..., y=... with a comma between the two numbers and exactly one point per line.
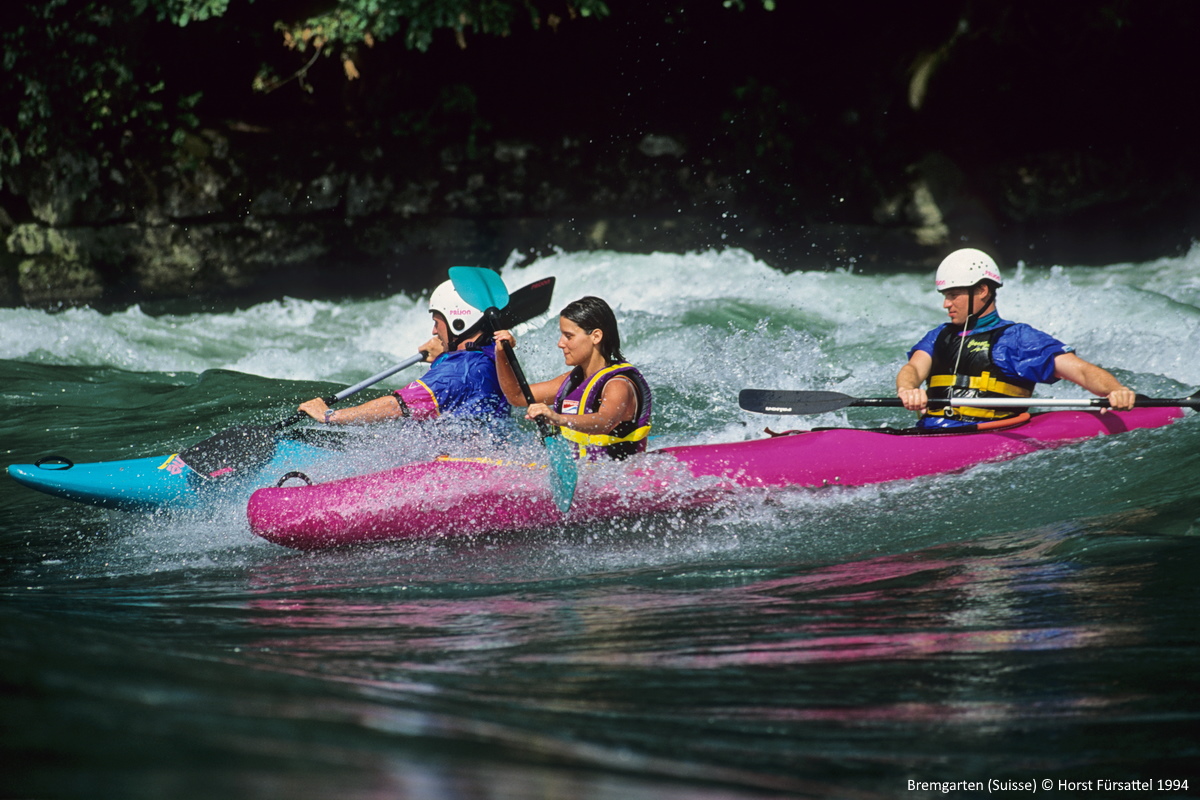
x=710, y=322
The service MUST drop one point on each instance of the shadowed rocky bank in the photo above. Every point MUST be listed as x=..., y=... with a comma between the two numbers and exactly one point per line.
x=813, y=141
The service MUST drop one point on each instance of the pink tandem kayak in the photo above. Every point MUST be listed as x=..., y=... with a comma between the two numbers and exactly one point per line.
x=464, y=496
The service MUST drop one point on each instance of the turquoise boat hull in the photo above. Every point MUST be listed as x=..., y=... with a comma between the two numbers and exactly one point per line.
x=161, y=482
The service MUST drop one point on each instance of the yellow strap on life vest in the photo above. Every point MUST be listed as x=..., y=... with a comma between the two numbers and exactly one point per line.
x=985, y=382
x=968, y=412
x=591, y=384
x=601, y=439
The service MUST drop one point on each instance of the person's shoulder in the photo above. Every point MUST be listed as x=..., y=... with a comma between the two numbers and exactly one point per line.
x=926, y=343
x=1023, y=330
x=465, y=357
x=1013, y=325
x=936, y=331
x=631, y=371
x=628, y=378
x=1026, y=336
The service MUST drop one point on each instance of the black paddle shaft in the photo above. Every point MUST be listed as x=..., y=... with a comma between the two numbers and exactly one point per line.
x=788, y=402
x=544, y=426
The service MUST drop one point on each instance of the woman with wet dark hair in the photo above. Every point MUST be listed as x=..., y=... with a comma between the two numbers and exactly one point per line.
x=602, y=405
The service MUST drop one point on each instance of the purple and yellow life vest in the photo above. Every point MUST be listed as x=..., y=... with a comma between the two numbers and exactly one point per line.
x=977, y=375
x=579, y=396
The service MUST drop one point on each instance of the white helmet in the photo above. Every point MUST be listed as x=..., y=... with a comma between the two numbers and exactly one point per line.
x=460, y=315
x=965, y=268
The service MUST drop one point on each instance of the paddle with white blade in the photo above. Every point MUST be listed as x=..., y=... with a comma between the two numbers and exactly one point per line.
x=484, y=289
x=786, y=402
x=242, y=447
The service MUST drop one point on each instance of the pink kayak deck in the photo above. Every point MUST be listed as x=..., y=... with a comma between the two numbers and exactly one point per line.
x=455, y=497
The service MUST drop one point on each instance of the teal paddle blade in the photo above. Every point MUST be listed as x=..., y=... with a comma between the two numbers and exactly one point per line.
x=480, y=287
x=563, y=475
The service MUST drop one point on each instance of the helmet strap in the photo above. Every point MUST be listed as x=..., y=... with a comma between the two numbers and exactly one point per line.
x=457, y=340
x=962, y=336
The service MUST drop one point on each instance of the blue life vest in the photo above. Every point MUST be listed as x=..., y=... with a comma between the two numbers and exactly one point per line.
x=1000, y=357
x=461, y=383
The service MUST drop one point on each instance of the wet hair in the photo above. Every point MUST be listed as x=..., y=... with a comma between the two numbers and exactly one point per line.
x=591, y=313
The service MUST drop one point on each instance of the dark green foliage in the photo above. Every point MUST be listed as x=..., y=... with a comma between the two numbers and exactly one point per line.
x=814, y=112
x=105, y=77
x=353, y=22
x=68, y=76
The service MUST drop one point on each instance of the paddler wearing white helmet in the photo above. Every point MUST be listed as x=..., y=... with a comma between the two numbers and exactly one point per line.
x=979, y=354
x=461, y=381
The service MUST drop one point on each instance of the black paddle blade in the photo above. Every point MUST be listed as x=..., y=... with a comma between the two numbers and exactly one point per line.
x=782, y=401
x=232, y=451
x=527, y=302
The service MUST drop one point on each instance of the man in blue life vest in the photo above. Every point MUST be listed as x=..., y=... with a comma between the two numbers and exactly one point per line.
x=461, y=383
x=978, y=354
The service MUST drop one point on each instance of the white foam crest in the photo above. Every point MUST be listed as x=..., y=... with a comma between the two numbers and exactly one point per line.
x=286, y=338
x=671, y=285
x=661, y=283
x=1109, y=318
x=720, y=321
x=706, y=322
x=344, y=342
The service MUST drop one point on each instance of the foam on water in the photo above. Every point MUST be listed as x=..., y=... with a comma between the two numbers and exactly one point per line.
x=699, y=317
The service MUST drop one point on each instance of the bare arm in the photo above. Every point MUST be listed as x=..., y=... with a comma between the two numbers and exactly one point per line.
x=1096, y=380
x=543, y=392
x=377, y=410
x=909, y=380
x=618, y=404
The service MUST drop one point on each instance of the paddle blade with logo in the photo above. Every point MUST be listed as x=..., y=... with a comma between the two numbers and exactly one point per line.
x=232, y=450
x=780, y=401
